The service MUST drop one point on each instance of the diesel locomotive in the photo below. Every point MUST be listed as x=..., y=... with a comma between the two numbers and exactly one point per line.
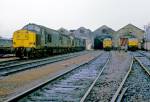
x=133, y=44
x=5, y=46
x=107, y=44
x=36, y=41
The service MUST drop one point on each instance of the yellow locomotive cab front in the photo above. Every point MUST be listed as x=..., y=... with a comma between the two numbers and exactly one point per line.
x=24, y=38
x=107, y=43
x=133, y=42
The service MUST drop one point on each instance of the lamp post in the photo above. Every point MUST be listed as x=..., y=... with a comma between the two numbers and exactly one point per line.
x=147, y=35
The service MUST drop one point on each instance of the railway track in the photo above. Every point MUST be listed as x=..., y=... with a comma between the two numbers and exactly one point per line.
x=136, y=83
x=17, y=60
x=145, y=53
x=144, y=58
x=6, y=55
x=10, y=67
x=73, y=85
x=10, y=61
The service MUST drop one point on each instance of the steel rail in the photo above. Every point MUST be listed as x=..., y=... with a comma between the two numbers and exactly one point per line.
x=114, y=99
x=25, y=93
x=116, y=95
x=145, y=69
x=93, y=83
x=142, y=53
x=38, y=60
x=26, y=65
x=8, y=62
x=122, y=94
x=1, y=62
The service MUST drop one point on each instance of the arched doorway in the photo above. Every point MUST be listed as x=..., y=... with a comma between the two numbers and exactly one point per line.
x=123, y=40
x=98, y=41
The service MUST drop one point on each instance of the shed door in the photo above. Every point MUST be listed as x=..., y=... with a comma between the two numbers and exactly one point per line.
x=123, y=41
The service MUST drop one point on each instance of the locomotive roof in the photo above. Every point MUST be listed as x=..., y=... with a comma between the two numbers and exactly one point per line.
x=45, y=28
x=40, y=26
x=50, y=30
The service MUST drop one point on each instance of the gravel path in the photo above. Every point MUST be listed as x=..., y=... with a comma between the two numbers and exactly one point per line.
x=138, y=84
x=111, y=78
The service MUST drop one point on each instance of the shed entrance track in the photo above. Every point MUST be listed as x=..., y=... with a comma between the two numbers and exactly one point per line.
x=136, y=83
x=17, y=65
x=70, y=86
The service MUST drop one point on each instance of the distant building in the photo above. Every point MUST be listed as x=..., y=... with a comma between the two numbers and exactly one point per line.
x=63, y=31
x=128, y=31
x=85, y=34
x=103, y=30
x=100, y=34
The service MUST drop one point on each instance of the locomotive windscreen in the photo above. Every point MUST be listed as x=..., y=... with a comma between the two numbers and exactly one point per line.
x=32, y=27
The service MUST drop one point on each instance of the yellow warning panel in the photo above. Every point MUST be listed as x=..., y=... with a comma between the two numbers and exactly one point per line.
x=24, y=38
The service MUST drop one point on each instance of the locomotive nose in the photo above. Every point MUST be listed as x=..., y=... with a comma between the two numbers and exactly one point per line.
x=24, y=38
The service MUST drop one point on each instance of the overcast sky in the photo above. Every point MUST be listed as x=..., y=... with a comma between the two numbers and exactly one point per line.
x=72, y=14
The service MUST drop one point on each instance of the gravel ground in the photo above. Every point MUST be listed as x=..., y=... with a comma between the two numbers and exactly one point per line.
x=138, y=84
x=72, y=86
x=145, y=61
x=19, y=82
x=146, y=53
x=109, y=81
